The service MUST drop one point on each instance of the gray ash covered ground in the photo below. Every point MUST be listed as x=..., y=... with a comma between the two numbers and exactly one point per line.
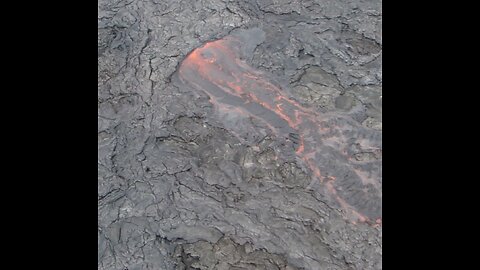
x=180, y=188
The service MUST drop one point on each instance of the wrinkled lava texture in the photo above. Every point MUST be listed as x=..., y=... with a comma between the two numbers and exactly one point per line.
x=239, y=134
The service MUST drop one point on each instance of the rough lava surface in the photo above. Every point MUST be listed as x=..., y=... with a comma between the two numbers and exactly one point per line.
x=239, y=134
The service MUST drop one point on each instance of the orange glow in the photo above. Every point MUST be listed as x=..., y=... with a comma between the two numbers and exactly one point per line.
x=233, y=86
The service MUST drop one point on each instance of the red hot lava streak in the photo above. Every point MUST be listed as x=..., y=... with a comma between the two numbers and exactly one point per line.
x=323, y=140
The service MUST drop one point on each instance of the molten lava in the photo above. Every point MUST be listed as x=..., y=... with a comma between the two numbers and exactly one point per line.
x=324, y=143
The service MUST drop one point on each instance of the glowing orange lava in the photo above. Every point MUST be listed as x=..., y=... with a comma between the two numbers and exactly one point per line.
x=323, y=140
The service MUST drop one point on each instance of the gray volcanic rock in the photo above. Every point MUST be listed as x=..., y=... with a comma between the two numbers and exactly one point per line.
x=190, y=178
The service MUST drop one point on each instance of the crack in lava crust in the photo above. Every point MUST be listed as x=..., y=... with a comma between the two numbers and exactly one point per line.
x=326, y=143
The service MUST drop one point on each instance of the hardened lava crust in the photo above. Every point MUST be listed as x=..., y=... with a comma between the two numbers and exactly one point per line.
x=239, y=134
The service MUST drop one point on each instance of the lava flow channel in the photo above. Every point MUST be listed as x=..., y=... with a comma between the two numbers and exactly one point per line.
x=326, y=143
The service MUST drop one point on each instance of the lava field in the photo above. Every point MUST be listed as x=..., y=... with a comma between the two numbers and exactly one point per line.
x=239, y=134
